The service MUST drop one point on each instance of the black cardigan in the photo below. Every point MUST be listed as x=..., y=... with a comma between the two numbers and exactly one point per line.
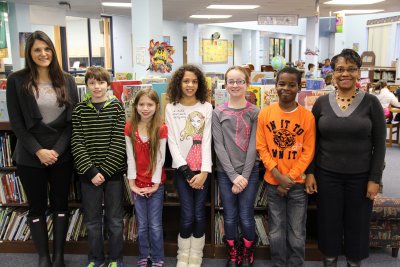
x=26, y=122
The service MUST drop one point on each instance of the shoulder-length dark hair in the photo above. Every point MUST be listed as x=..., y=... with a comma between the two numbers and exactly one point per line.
x=174, y=90
x=55, y=72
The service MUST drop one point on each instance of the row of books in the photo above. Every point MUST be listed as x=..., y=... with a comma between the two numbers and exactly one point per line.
x=259, y=202
x=11, y=190
x=261, y=229
x=6, y=143
x=14, y=225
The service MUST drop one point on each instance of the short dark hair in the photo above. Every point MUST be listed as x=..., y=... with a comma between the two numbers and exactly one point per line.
x=290, y=70
x=310, y=65
x=97, y=73
x=349, y=55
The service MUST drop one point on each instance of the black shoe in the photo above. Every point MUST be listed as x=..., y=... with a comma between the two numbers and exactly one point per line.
x=59, y=233
x=353, y=263
x=330, y=261
x=38, y=228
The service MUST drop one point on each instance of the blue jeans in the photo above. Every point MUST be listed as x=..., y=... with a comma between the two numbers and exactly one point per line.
x=287, y=225
x=193, y=210
x=241, y=204
x=92, y=199
x=150, y=230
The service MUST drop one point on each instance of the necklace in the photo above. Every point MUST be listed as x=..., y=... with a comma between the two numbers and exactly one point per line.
x=345, y=101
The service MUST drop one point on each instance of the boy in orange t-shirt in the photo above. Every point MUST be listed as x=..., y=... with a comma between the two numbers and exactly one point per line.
x=285, y=140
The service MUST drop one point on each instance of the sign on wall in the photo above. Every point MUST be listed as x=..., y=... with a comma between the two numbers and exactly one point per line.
x=284, y=20
x=215, y=51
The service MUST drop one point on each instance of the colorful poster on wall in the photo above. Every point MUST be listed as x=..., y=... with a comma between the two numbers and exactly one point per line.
x=215, y=51
x=3, y=40
x=230, y=48
x=339, y=22
x=160, y=56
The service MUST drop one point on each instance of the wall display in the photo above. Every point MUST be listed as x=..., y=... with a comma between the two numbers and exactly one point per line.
x=286, y=20
x=3, y=39
x=160, y=56
x=140, y=55
x=215, y=51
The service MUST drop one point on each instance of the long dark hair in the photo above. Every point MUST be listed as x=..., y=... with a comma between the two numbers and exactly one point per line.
x=174, y=90
x=55, y=72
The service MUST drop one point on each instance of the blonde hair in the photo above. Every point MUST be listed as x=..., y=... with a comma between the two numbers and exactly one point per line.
x=153, y=129
x=189, y=129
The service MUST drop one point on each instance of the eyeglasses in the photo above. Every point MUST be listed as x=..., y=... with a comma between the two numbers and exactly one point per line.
x=238, y=82
x=349, y=70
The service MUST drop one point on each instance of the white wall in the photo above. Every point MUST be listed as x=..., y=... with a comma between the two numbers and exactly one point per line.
x=355, y=31
x=122, y=41
x=175, y=30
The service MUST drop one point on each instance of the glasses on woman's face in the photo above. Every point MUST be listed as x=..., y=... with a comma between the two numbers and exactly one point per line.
x=349, y=70
x=238, y=82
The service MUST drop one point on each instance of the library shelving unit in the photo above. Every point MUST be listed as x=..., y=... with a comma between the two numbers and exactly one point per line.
x=378, y=73
x=170, y=224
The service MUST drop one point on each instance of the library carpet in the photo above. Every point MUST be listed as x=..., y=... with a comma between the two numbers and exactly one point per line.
x=378, y=257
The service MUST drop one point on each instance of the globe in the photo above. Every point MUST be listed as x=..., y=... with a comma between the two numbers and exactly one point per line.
x=278, y=62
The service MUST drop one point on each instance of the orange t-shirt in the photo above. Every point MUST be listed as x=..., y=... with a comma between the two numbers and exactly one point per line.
x=285, y=140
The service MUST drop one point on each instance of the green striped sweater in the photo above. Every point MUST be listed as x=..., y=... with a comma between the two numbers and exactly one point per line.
x=98, y=141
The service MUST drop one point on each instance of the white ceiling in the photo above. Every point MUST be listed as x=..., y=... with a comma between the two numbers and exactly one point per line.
x=180, y=10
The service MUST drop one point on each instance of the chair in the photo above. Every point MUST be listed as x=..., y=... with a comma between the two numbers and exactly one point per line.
x=266, y=68
x=394, y=128
x=385, y=224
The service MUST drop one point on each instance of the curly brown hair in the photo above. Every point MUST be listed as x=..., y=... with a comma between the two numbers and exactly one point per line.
x=174, y=90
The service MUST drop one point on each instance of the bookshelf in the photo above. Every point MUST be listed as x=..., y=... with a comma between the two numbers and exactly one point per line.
x=170, y=221
x=378, y=73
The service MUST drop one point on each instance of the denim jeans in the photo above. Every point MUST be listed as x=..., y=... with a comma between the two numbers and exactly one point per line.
x=193, y=210
x=287, y=225
x=241, y=205
x=92, y=199
x=150, y=229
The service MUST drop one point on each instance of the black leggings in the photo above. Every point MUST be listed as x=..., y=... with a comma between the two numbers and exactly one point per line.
x=35, y=182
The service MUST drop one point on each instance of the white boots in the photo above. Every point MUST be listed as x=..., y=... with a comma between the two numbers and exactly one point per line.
x=183, y=252
x=196, y=251
x=190, y=251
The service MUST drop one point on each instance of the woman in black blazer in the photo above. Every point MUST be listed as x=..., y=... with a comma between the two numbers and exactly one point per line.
x=40, y=99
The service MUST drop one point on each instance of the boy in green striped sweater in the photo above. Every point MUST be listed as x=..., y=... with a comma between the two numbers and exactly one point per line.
x=98, y=147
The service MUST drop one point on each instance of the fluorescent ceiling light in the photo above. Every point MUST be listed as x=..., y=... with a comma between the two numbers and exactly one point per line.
x=112, y=4
x=353, y=2
x=233, y=6
x=359, y=11
x=210, y=16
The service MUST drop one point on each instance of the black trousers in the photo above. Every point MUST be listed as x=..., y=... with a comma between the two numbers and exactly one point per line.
x=344, y=214
x=35, y=182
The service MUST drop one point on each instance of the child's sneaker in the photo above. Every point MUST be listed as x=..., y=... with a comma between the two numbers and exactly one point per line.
x=115, y=264
x=157, y=264
x=95, y=264
x=142, y=262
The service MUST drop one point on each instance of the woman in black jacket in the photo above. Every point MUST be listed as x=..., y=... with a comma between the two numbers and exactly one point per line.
x=40, y=99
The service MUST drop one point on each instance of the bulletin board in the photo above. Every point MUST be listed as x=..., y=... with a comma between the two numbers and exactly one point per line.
x=215, y=51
